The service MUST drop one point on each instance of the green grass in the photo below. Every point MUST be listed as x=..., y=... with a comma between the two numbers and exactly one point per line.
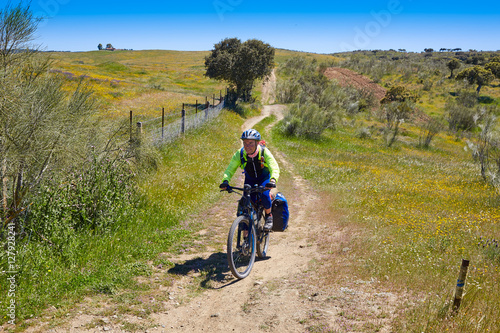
x=415, y=213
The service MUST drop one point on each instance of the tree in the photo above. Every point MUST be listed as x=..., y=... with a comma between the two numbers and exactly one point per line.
x=452, y=65
x=240, y=64
x=17, y=26
x=99, y=47
x=109, y=46
x=494, y=67
x=398, y=104
x=429, y=50
x=42, y=125
x=476, y=75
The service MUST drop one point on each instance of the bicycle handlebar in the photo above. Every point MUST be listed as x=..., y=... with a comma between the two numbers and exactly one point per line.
x=247, y=188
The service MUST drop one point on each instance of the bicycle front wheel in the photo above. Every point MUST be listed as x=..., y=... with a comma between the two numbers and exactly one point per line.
x=241, y=247
x=262, y=241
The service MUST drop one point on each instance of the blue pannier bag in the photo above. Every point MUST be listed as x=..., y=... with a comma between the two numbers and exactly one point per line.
x=280, y=213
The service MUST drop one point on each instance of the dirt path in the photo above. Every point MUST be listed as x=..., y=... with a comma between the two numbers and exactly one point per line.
x=282, y=294
x=346, y=77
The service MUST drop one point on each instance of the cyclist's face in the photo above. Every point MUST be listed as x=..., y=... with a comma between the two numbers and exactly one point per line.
x=250, y=146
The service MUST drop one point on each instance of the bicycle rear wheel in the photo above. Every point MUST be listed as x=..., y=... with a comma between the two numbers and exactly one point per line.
x=241, y=249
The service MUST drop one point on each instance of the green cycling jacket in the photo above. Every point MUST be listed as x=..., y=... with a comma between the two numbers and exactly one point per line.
x=269, y=163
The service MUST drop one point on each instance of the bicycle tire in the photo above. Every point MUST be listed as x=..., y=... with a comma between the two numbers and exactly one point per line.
x=240, y=251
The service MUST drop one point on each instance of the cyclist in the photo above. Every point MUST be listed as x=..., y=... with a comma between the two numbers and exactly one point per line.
x=259, y=167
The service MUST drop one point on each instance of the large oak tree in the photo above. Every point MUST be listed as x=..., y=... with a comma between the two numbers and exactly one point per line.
x=240, y=64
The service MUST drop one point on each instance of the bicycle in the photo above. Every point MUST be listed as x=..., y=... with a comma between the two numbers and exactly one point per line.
x=247, y=236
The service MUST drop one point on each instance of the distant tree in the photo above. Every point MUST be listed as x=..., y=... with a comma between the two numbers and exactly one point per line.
x=240, y=64
x=429, y=50
x=109, y=46
x=494, y=67
x=476, y=75
x=452, y=65
x=99, y=47
x=456, y=49
x=443, y=49
x=402, y=50
x=398, y=104
x=495, y=59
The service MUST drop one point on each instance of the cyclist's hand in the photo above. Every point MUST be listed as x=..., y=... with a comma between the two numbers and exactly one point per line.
x=224, y=185
x=271, y=184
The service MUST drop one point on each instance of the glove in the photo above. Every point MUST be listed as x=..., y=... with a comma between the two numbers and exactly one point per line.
x=271, y=184
x=224, y=185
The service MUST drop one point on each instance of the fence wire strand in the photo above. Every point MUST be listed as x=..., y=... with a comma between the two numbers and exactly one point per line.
x=153, y=131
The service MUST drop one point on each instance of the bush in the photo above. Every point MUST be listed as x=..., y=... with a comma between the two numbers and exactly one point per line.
x=460, y=117
x=467, y=98
x=294, y=66
x=306, y=120
x=428, y=131
x=92, y=198
x=364, y=133
x=287, y=91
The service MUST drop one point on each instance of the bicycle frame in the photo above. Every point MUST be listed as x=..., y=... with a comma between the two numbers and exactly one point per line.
x=252, y=210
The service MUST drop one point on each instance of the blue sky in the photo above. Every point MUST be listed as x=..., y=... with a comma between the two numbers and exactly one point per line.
x=314, y=26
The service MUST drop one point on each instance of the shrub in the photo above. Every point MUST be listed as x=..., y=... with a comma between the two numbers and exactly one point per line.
x=91, y=198
x=460, y=117
x=306, y=120
x=486, y=148
x=466, y=98
x=428, y=131
x=396, y=113
x=287, y=91
x=296, y=65
x=364, y=133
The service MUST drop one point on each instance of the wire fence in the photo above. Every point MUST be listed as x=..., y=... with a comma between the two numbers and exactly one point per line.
x=192, y=116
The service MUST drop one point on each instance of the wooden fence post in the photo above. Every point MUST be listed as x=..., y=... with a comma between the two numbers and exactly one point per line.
x=196, y=106
x=130, y=130
x=207, y=105
x=213, y=100
x=183, y=114
x=162, y=123
x=460, y=285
